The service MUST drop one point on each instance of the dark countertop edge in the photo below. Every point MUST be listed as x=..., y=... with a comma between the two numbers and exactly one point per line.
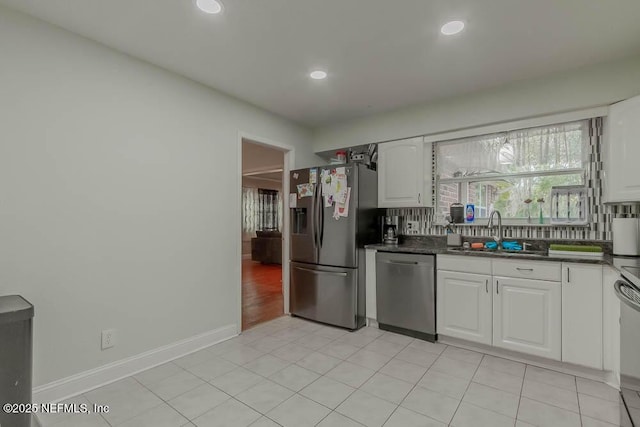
x=411, y=249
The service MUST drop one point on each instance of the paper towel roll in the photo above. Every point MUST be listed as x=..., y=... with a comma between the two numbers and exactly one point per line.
x=626, y=236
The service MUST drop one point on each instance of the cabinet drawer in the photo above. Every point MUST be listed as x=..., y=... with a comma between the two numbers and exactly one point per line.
x=539, y=270
x=465, y=264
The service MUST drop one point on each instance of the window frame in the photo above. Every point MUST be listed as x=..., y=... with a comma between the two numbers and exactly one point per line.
x=463, y=182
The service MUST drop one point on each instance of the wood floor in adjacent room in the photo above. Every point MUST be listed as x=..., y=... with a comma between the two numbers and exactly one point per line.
x=261, y=293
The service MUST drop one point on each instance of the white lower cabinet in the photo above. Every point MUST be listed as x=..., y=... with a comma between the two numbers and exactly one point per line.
x=582, y=315
x=548, y=309
x=464, y=306
x=527, y=316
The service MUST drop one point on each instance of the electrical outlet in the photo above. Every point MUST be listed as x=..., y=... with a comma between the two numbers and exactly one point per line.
x=412, y=227
x=108, y=338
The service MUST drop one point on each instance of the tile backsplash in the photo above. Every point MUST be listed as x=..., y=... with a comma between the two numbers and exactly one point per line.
x=600, y=215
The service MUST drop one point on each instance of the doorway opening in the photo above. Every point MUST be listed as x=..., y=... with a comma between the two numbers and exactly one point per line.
x=263, y=231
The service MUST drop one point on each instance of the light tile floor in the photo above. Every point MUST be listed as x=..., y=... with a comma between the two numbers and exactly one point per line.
x=293, y=373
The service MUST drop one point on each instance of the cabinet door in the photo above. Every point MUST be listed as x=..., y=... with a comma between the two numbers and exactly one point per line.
x=526, y=316
x=622, y=151
x=582, y=314
x=464, y=306
x=401, y=174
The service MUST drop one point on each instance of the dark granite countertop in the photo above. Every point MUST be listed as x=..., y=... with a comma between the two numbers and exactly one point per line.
x=434, y=245
x=605, y=260
x=408, y=248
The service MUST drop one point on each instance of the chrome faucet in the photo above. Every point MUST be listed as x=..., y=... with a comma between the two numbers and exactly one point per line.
x=497, y=238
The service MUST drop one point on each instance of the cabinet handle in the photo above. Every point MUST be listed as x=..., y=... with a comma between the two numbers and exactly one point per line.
x=486, y=285
x=524, y=269
x=418, y=198
x=497, y=287
x=568, y=275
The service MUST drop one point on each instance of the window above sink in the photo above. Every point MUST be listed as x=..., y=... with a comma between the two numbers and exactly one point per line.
x=512, y=172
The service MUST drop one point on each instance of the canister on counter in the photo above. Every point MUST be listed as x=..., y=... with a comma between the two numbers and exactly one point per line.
x=626, y=236
x=456, y=210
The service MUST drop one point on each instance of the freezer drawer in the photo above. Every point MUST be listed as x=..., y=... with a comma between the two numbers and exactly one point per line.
x=325, y=294
x=405, y=296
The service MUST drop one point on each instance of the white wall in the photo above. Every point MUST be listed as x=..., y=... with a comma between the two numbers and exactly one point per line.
x=119, y=201
x=602, y=84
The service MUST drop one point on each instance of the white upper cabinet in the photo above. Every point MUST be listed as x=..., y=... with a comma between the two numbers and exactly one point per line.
x=582, y=315
x=404, y=174
x=621, y=152
x=527, y=316
x=464, y=306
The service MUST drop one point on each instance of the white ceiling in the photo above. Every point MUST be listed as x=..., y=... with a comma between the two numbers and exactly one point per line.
x=380, y=54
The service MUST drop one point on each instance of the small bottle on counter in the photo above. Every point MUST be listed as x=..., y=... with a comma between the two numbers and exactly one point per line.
x=470, y=212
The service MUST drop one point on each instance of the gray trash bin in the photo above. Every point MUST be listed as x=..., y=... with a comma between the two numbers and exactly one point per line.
x=16, y=316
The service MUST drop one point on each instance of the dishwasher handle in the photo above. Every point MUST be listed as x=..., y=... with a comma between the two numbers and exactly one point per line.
x=388, y=261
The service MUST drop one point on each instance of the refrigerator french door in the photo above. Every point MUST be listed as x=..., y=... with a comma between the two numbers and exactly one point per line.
x=326, y=253
x=324, y=294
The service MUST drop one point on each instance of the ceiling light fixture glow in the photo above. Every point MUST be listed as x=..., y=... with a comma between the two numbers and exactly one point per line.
x=451, y=28
x=318, y=75
x=209, y=6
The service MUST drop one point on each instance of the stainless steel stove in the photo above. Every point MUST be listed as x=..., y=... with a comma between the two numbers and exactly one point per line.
x=628, y=291
x=632, y=274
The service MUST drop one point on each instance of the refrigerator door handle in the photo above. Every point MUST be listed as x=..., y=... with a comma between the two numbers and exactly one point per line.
x=316, y=214
x=321, y=222
x=314, y=220
x=330, y=273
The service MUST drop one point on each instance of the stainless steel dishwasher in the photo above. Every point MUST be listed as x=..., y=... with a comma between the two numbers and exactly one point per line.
x=406, y=294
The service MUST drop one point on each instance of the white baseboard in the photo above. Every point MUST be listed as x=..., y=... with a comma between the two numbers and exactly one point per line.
x=82, y=382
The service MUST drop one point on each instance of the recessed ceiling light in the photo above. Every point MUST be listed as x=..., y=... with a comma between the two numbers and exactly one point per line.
x=318, y=75
x=451, y=28
x=209, y=6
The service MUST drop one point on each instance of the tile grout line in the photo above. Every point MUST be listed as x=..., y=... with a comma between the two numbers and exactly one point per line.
x=553, y=404
x=416, y=385
x=205, y=382
x=495, y=388
x=292, y=329
x=295, y=363
x=578, y=399
x=524, y=376
x=375, y=372
x=167, y=401
x=467, y=389
x=378, y=371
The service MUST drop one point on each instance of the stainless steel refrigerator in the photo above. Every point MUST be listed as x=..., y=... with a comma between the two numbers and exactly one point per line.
x=327, y=254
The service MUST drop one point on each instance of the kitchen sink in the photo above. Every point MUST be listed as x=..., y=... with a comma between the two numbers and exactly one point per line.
x=503, y=252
